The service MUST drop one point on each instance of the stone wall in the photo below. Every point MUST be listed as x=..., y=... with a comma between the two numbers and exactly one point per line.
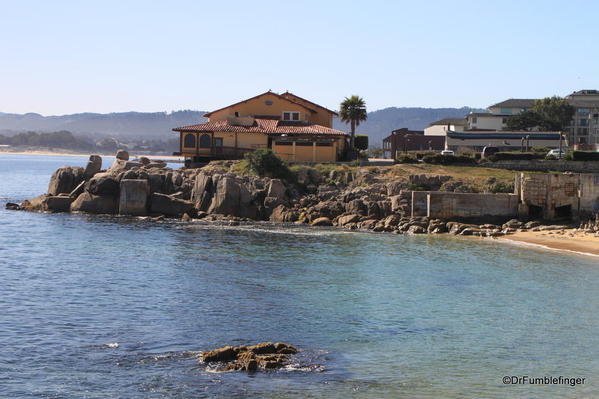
x=549, y=196
x=545, y=166
x=448, y=205
x=589, y=191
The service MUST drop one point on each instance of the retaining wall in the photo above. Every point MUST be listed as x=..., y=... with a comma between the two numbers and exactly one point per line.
x=545, y=166
x=448, y=205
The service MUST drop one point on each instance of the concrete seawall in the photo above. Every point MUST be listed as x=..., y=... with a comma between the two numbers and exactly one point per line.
x=451, y=205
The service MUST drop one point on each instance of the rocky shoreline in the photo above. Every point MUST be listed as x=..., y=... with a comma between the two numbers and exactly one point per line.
x=360, y=200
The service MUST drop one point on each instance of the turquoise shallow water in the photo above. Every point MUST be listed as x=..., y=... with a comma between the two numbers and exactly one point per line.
x=99, y=307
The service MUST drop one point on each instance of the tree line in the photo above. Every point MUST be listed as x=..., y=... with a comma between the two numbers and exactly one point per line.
x=68, y=141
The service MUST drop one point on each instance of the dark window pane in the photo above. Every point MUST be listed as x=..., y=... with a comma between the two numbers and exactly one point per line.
x=205, y=141
x=189, y=141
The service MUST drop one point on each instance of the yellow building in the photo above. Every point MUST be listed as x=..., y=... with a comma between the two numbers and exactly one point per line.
x=294, y=128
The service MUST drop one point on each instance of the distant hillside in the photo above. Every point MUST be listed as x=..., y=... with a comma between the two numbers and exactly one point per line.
x=158, y=125
x=126, y=125
x=380, y=123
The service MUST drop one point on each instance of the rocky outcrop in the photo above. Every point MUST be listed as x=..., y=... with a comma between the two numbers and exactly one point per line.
x=168, y=205
x=263, y=356
x=58, y=203
x=122, y=155
x=35, y=204
x=103, y=184
x=89, y=203
x=94, y=165
x=352, y=201
x=65, y=179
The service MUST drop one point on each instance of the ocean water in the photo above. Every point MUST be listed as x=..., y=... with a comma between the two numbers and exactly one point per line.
x=108, y=307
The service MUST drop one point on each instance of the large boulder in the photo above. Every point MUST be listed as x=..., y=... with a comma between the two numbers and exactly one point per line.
x=356, y=206
x=35, y=204
x=133, y=199
x=120, y=165
x=94, y=165
x=122, y=155
x=323, y=221
x=58, y=203
x=347, y=219
x=282, y=214
x=277, y=189
x=202, y=192
x=168, y=205
x=103, y=184
x=89, y=203
x=65, y=179
x=226, y=197
x=155, y=180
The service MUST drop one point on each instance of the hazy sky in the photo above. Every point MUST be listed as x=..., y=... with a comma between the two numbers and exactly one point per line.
x=60, y=57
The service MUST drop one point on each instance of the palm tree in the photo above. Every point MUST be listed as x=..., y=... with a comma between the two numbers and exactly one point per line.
x=353, y=111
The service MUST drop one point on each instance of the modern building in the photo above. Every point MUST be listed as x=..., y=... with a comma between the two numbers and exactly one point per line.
x=294, y=128
x=441, y=127
x=402, y=140
x=496, y=118
x=469, y=141
x=584, y=128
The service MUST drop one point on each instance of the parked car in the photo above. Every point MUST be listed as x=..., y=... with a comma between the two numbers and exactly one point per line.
x=488, y=151
x=447, y=152
x=557, y=153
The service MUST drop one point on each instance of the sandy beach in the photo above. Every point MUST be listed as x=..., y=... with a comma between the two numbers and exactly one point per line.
x=570, y=240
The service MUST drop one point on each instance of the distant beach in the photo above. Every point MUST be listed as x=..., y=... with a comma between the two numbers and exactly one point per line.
x=571, y=240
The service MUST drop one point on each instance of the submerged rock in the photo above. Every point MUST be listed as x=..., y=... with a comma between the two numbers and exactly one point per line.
x=262, y=356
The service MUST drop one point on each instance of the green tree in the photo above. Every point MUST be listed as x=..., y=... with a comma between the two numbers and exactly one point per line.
x=555, y=113
x=548, y=114
x=525, y=120
x=353, y=111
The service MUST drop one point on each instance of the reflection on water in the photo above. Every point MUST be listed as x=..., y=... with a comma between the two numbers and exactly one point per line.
x=104, y=307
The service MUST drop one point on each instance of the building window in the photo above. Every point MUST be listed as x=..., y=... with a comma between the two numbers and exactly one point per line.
x=583, y=131
x=189, y=141
x=237, y=113
x=291, y=116
x=205, y=141
x=474, y=120
x=582, y=122
x=507, y=111
x=583, y=111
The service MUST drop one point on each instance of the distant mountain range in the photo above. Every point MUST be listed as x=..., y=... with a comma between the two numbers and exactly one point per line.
x=158, y=125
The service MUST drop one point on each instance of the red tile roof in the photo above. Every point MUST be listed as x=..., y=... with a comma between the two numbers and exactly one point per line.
x=266, y=126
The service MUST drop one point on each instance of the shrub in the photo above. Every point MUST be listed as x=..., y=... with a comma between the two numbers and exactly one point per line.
x=439, y=159
x=265, y=163
x=500, y=187
x=361, y=142
x=406, y=158
x=585, y=156
x=515, y=156
x=551, y=157
x=420, y=155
